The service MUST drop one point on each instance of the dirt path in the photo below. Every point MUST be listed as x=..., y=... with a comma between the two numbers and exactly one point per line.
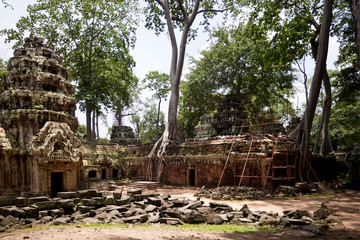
x=346, y=207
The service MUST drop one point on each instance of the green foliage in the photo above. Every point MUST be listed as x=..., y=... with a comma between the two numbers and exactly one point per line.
x=240, y=61
x=146, y=129
x=345, y=117
x=158, y=83
x=81, y=133
x=155, y=15
x=3, y=71
x=93, y=37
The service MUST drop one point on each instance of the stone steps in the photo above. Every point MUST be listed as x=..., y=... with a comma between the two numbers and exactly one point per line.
x=145, y=185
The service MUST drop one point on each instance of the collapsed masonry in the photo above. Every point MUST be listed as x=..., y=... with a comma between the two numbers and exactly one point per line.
x=39, y=153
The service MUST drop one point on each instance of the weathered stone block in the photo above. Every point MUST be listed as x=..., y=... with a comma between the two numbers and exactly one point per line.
x=56, y=213
x=214, y=219
x=67, y=195
x=123, y=201
x=88, y=202
x=98, y=200
x=85, y=209
x=138, y=218
x=109, y=201
x=65, y=203
x=46, y=205
x=87, y=193
x=21, y=202
x=31, y=212
x=133, y=191
x=33, y=200
x=17, y=212
x=154, y=201
x=43, y=214
x=117, y=193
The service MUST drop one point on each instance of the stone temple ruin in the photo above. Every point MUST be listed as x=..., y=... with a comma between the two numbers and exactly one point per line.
x=39, y=153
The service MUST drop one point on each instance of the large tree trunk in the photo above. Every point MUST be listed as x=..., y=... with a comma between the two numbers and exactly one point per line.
x=320, y=69
x=177, y=63
x=158, y=115
x=356, y=16
x=89, y=134
x=97, y=128
x=326, y=146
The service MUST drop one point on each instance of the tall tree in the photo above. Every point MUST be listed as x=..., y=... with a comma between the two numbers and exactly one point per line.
x=356, y=15
x=160, y=85
x=174, y=14
x=93, y=37
x=239, y=61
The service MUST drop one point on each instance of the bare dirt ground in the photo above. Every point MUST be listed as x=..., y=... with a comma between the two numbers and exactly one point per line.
x=346, y=207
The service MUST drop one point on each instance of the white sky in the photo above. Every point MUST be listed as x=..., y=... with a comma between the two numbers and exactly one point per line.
x=151, y=52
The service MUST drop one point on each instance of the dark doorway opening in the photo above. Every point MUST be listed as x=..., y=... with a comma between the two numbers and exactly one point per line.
x=56, y=183
x=92, y=174
x=103, y=173
x=115, y=173
x=192, y=177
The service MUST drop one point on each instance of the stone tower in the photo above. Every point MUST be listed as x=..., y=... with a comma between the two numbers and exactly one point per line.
x=39, y=153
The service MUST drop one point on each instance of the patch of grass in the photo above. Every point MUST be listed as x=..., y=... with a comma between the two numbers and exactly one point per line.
x=328, y=194
x=229, y=228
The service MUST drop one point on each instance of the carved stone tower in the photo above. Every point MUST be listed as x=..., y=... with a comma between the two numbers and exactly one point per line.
x=39, y=153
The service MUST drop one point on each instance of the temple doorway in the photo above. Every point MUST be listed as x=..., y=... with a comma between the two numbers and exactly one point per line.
x=56, y=183
x=192, y=177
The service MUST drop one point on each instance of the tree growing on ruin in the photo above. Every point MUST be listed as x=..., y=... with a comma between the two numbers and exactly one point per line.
x=93, y=37
x=172, y=15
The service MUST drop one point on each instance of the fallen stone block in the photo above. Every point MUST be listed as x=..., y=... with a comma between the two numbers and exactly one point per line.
x=17, y=212
x=214, y=219
x=240, y=221
x=47, y=205
x=171, y=221
x=61, y=221
x=67, y=195
x=56, y=213
x=9, y=221
x=65, y=203
x=268, y=220
x=84, y=209
x=88, y=202
x=21, y=202
x=90, y=221
x=133, y=191
x=98, y=200
x=170, y=213
x=150, y=208
x=33, y=200
x=123, y=201
x=138, y=218
x=46, y=219
x=117, y=194
x=137, y=197
x=109, y=201
x=317, y=229
x=120, y=209
x=87, y=193
x=43, y=214
x=154, y=201
x=31, y=212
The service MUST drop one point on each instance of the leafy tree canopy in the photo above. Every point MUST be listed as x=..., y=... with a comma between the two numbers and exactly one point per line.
x=240, y=61
x=93, y=37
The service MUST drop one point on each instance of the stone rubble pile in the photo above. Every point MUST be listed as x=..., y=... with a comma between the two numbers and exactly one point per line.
x=231, y=193
x=244, y=192
x=91, y=207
